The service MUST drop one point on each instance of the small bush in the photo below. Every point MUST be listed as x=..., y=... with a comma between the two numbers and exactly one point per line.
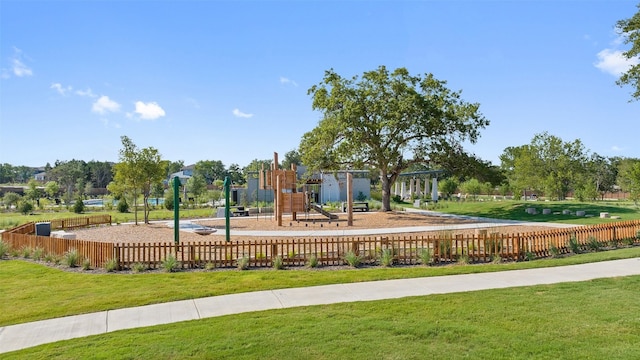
x=614, y=244
x=352, y=259
x=49, y=258
x=71, y=258
x=26, y=252
x=123, y=207
x=425, y=256
x=243, y=263
x=593, y=243
x=111, y=265
x=38, y=253
x=574, y=245
x=25, y=207
x=629, y=241
x=209, y=266
x=529, y=256
x=496, y=259
x=553, y=250
x=277, y=263
x=13, y=252
x=170, y=263
x=78, y=206
x=386, y=257
x=313, y=261
x=138, y=267
x=4, y=249
x=86, y=264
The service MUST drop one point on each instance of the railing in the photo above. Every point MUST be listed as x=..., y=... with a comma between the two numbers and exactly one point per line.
x=331, y=250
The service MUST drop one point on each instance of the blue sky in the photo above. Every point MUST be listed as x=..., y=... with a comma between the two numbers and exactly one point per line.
x=217, y=80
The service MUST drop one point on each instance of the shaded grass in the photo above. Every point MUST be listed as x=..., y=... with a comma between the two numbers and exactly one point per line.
x=44, y=292
x=515, y=210
x=585, y=320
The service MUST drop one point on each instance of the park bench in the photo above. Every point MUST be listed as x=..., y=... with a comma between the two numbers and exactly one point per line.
x=240, y=211
x=357, y=206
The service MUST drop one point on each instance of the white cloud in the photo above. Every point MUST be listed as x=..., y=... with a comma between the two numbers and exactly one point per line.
x=87, y=93
x=17, y=67
x=612, y=60
x=149, y=111
x=284, y=80
x=104, y=104
x=61, y=89
x=240, y=114
x=616, y=148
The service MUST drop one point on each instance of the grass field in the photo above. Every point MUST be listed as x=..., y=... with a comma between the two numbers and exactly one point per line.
x=586, y=320
x=515, y=210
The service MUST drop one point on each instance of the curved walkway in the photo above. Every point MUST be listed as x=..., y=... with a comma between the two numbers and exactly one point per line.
x=15, y=337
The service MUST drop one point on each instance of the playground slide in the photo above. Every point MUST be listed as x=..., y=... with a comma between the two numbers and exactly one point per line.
x=322, y=211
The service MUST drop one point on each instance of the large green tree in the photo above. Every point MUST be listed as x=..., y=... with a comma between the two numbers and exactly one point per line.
x=388, y=121
x=210, y=170
x=629, y=178
x=630, y=30
x=137, y=173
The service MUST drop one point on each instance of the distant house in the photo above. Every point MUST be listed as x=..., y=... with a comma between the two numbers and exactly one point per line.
x=41, y=176
x=181, y=175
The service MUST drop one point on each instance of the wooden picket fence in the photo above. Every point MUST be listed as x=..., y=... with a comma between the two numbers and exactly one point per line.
x=441, y=248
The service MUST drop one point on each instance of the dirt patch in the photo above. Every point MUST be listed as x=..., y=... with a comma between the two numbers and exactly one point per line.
x=158, y=231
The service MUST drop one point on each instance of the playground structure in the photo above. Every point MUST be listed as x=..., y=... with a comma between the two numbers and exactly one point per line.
x=286, y=197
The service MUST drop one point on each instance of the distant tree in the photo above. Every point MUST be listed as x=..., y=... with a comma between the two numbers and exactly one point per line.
x=25, y=207
x=7, y=174
x=630, y=30
x=447, y=187
x=137, y=172
x=210, y=170
x=291, y=157
x=378, y=119
x=100, y=173
x=174, y=167
x=197, y=186
x=548, y=163
x=158, y=190
x=33, y=191
x=67, y=174
x=78, y=206
x=629, y=178
x=51, y=188
x=601, y=175
x=236, y=175
x=472, y=186
x=10, y=198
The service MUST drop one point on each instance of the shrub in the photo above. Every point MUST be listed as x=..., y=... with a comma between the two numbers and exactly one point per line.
x=4, y=248
x=386, y=257
x=243, y=263
x=463, y=259
x=396, y=199
x=14, y=252
x=86, y=264
x=123, y=207
x=638, y=234
x=553, y=250
x=71, y=258
x=26, y=252
x=593, y=243
x=496, y=259
x=629, y=241
x=425, y=256
x=25, y=207
x=111, y=265
x=352, y=259
x=574, y=245
x=78, y=206
x=170, y=263
x=277, y=263
x=49, y=258
x=313, y=261
x=38, y=253
x=138, y=267
x=209, y=266
x=529, y=256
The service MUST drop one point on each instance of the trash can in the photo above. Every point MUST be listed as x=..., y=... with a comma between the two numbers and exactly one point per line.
x=43, y=229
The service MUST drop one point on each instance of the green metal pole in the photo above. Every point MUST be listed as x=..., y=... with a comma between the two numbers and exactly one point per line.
x=176, y=210
x=227, y=186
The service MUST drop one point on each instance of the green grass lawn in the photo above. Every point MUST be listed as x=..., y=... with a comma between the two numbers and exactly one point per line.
x=31, y=291
x=584, y=320
x=515, y=210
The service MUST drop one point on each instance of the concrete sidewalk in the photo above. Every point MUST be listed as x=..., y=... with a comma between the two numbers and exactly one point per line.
x=22, y=336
